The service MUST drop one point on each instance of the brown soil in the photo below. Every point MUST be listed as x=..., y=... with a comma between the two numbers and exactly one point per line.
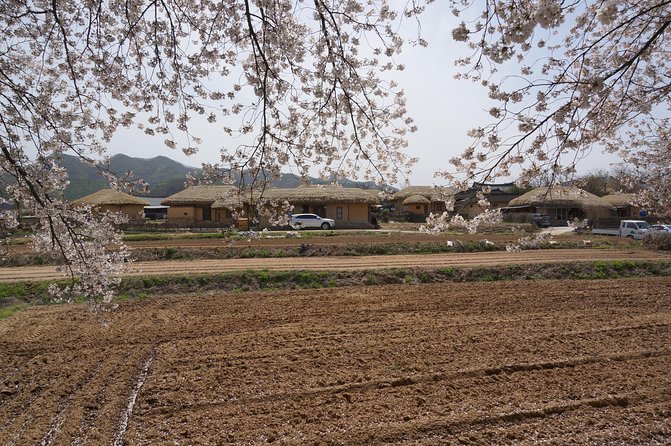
x=525, y=363
x=279, y=240
x=36, y=273
x=340, y=239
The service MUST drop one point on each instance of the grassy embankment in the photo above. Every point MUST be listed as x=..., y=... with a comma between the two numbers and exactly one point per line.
x=16, y=296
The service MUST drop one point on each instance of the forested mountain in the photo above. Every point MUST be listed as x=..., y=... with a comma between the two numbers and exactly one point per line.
x=164, y=175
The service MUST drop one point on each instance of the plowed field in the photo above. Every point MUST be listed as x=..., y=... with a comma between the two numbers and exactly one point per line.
x=547, y=362
x=36, y=273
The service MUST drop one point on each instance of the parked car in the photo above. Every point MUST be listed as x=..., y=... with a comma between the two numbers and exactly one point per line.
x=303, y=221
x=666, y=229
x=636, y=229
x=540, y=220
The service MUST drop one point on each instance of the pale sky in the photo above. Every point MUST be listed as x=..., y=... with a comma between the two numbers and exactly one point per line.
x=444, y=109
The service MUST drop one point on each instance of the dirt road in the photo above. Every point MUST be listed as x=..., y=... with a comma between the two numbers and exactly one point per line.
x=34, y=273
x=524, y=363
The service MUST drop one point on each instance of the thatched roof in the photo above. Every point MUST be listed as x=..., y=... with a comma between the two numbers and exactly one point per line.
x=110, y=197
x=416, y=199
x=323, y=195
x=619, y=200
x=234, y=199
x=228, y=196
x=429, y=192
x=562, y=196
x=198, y=196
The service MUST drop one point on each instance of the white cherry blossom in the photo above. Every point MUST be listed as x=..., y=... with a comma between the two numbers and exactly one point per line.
x=301, y=82
x=593, y=75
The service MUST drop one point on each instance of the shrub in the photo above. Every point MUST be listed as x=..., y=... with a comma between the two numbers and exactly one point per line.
x=169, y=253
x=660, y=242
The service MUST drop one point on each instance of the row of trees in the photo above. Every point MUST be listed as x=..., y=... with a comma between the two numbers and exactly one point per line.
x=308, y=82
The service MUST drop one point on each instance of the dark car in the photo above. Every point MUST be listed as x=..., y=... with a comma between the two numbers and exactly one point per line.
x=540, y=220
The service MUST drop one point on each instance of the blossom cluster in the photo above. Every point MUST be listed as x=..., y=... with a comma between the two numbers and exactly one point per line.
x=530, y=242
x=447, y=221
x=302, y=83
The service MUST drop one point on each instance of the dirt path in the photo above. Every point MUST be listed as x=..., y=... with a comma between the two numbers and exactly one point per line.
x=582, y=362
x=34, y=273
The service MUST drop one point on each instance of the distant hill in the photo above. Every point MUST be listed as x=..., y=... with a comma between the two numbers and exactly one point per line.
x=164, y=175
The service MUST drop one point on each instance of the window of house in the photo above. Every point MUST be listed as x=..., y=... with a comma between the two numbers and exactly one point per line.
x=339, y=213
x=207, y=214
x=418, y=207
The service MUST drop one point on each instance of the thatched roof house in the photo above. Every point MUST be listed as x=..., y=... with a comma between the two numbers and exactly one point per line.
x=198, y=195
x=236, y=200
x=110, y=200
x=110, y=197
x=349, y=207
x=467, y=202
x=619, y=200
x=567, y=196
x=429, y=192
x=624, y=205
x=194, y=204
x=435, y=197
x=302, y=194
x=561, y=203
x=416, y=199
x=323, y=194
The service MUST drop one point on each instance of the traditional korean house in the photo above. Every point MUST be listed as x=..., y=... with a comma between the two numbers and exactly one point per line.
x=407, y=201
x=561, y=203
x=110, y=200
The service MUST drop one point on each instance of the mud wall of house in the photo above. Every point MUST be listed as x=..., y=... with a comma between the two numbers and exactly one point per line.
x=564, y=213
x=181, y=213
x=473, y=210
x=223, y=216
x=344, y=214
x=358, y=213
x=348, y=214
x=341, y=217
x=418, y=209
x=133, y=211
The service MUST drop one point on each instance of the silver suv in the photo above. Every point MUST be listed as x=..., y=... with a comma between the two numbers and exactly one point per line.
x=303, y=221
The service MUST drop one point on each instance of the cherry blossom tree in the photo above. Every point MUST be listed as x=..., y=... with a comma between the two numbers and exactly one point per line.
x=566, y=78
x=302, y=82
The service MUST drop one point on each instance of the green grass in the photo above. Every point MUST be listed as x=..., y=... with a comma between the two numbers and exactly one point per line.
x=148, y=236
x=23, y=290
x=11, y=310
x=335, y=250
x=250, y=280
